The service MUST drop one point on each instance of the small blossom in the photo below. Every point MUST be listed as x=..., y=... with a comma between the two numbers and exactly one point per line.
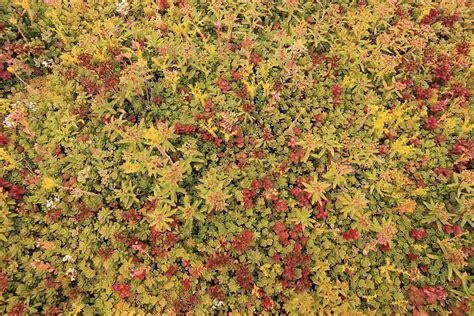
x=322, y=215
x=121, y=7
x=71, y=273
x=51, y=203
x=416, y=297
x=450, y=20
x=216, y=303
x=48, y=183
x=431, y=17
x=292, y=143
x=298, y=48
x=9, y=121
x=31, y=106
x=48, y=63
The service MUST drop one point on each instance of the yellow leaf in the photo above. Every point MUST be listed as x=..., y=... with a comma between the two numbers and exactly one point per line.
x=381, y=117
x=11, y=163
x=419, y=192
x=251, y=88
x=256, y=291
x=151, y=135
x=265, y=269
x=266, y=87
x=407, y=206
x=76, y=309
x=400, y=148
x=162, y=302
x=130, y=167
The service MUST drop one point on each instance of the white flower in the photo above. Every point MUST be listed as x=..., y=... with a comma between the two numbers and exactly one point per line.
x=71, y=273
x=67, y=258
x=216, y=303
x=31, y=106
x=122, y=7
x=298, y=48
x=12, y=119
x=51, y=203
x=16, y=105
x=9, y=121
x=48, y=63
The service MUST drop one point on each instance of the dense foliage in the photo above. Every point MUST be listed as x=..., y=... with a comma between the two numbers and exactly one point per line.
x=249, y=156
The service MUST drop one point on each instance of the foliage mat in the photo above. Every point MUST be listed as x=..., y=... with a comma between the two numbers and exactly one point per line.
x=236, y=157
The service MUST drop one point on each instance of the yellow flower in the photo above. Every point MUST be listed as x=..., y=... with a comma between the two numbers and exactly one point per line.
x=48, y=183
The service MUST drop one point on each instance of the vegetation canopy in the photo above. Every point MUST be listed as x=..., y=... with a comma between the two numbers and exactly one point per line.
x=236, y=157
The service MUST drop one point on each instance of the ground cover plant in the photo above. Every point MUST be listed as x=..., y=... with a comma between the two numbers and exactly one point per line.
x=191, y=157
